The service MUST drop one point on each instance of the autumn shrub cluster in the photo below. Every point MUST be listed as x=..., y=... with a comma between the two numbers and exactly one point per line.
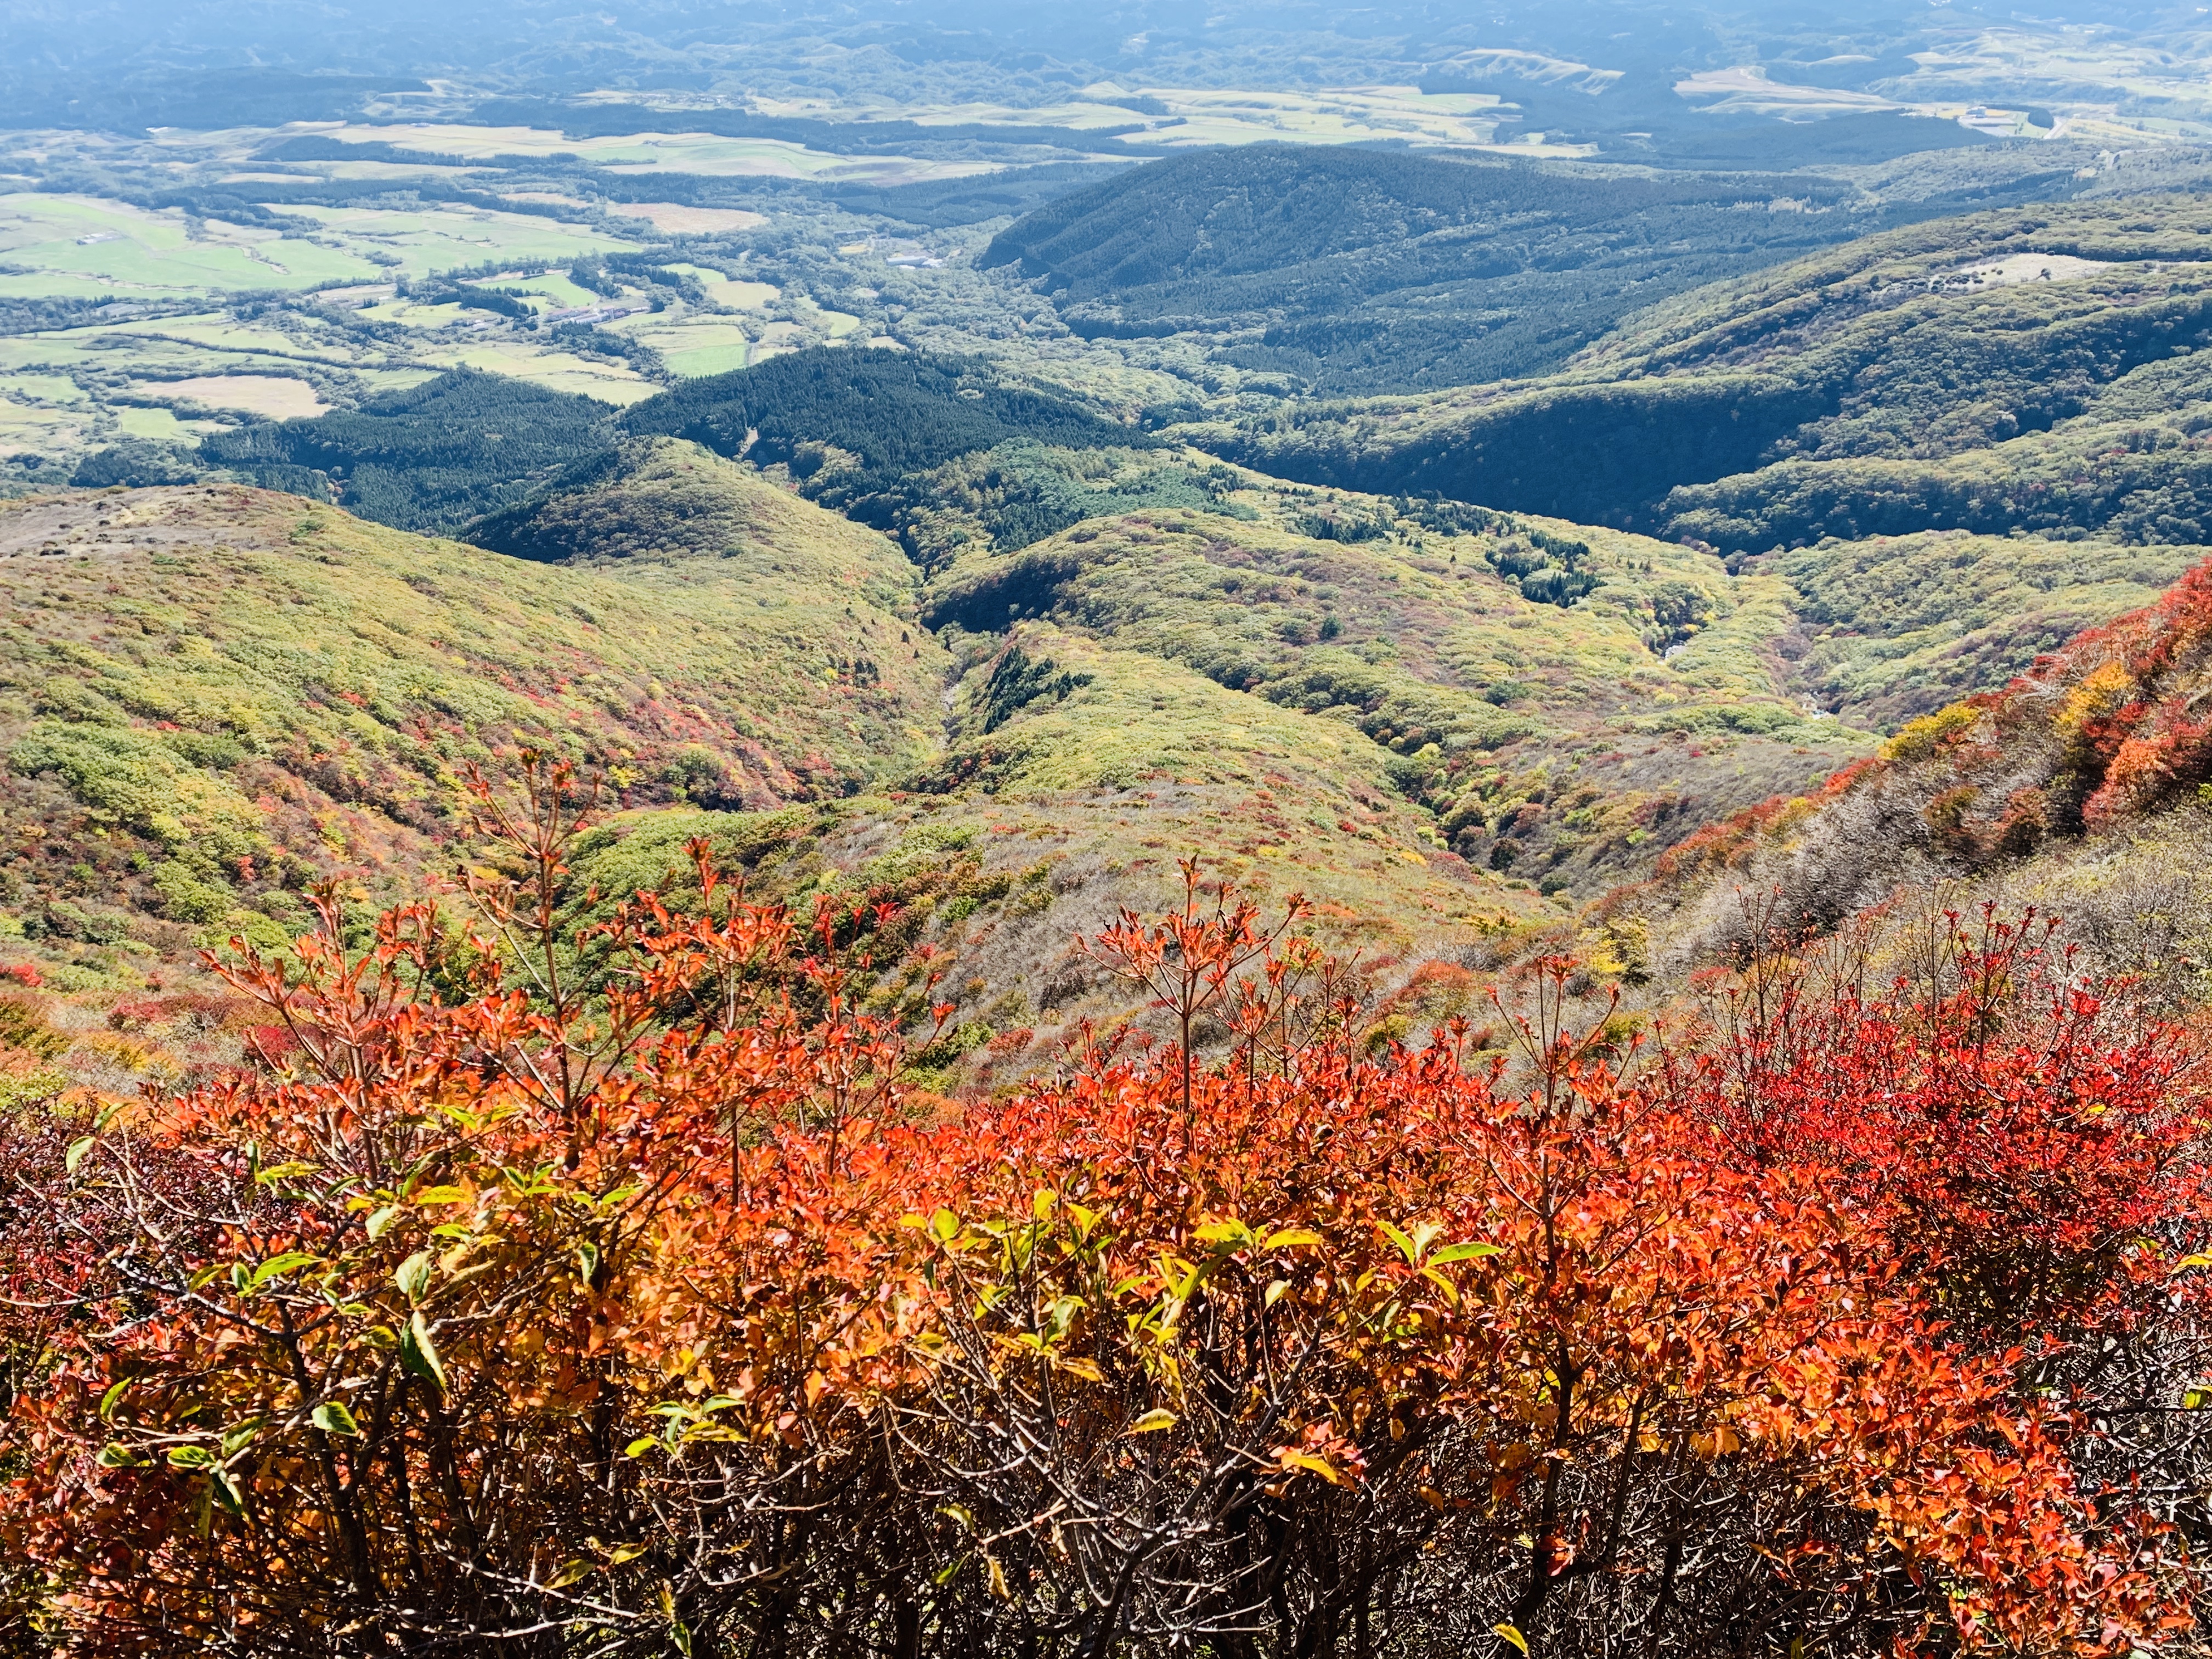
x=560, y=1296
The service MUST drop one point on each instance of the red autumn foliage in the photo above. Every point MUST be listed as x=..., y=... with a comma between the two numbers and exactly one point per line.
x=537, y=1312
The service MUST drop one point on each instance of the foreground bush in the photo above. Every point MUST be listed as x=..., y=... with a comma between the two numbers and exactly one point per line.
x=512, y=1320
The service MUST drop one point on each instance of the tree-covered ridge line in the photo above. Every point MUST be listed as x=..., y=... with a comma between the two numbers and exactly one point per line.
x=1887, y=368
x=853, y=427
x=1369, y=271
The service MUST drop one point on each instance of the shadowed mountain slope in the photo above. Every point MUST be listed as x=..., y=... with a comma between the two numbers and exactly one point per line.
x=1368, y=269
x=1929, y=378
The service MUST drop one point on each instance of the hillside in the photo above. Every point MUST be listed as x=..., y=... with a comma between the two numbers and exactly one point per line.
x=2078, y=791
x=1365, y=270
x=854, y=428
x=1927, y=378
x=1563, y=745
x=430, y=458
x=1442, y=730
x=210, y=697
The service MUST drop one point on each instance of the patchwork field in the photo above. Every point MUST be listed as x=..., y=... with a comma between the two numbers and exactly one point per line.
x=84, y=246
x=1184, y=117
x=672, y=152
x=450, y=235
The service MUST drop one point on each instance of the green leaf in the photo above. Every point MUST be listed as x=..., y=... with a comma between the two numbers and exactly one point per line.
x=1152, y=1421
x=1467, y=1252
x=419, y=1354
x=114, y=1398
x=278, y=1266
x=642, y=1444
x=380, y=1221
x=239, y=1436
x=116, y=1455
x=587, y=1261
x=573, y=1571
x=77, y=1148
x=413, y=1277
x=190, y=1457
x=949, y=1571
x=1406, y=1247
x=207, y=1276
x=1230, y=1234
x=943, y=1226
x=284, y=1172
x=332, y=1417
x=223, y=1488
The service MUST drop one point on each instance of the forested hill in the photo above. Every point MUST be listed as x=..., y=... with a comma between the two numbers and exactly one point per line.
x=429, y=458
x=2032, y=369
x=892, y=411
x=468, y=445
x=1371, y=270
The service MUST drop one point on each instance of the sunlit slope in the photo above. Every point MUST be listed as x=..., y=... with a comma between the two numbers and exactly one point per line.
x=658, y=500
x=1079, y=777
x=208, y=696
x=2078, y=790
x=1562, y=745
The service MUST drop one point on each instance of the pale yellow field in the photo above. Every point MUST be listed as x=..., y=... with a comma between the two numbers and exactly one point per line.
x=26, y=429
x=674, y=219
x=676, y=150
x=276, y=397
x=1197, y=115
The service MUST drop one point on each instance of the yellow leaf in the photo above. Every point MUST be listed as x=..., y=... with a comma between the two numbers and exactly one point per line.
x=1224, y=1232
x=1508, y=1633
x=998, y=1580
x=1290, y=1238
x=1312, y=1465
x=1153, y=1419
x=1082, y=1368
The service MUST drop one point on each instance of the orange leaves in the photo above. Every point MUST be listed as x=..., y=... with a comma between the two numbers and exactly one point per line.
x=502, y=1274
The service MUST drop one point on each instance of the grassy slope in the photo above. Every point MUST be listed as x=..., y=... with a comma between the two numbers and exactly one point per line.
x=1881, y=421
x=1894, y=627
x=1560, y=732
x=1082, y=801
x=194, y=678
x=2080, y=790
